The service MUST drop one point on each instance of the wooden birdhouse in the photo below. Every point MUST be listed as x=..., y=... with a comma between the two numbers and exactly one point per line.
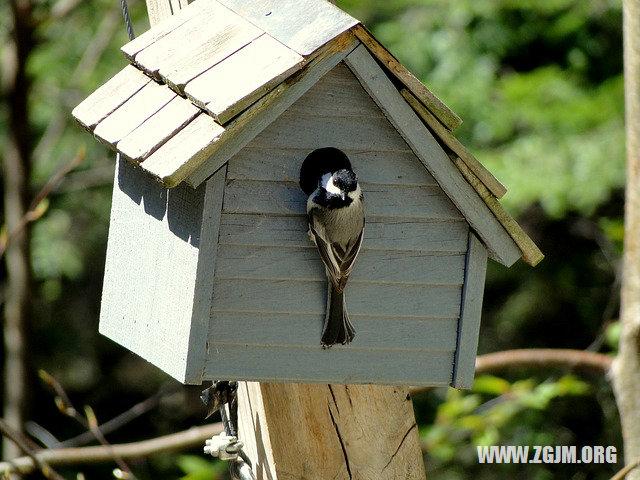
x=210, y=273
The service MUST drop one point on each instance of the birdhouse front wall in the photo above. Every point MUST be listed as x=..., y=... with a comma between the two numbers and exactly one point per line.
x=405, y=293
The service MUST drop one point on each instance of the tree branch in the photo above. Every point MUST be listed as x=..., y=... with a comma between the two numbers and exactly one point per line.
x=622, y=473
x=116, y=422
x=15, y=84
x=33, y=213
x=582, y=360
x=97, y=454
x=89, y=421
x=16, y=437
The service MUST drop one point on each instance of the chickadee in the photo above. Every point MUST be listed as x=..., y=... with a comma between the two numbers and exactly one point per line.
x=335, y=212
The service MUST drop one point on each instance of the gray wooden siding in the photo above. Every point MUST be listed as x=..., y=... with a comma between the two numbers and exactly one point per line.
x=269, y=289
x=403, y=234
x=344, y=364
x=150, y=275
x=286, y=198
x=470, y=313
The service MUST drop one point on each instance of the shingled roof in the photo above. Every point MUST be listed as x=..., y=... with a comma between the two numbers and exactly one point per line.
x=204, y=82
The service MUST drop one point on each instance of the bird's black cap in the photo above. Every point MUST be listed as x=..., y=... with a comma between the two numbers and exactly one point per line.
x=319, y=162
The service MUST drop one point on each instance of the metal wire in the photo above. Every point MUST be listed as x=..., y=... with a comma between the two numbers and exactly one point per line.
x=127, y=19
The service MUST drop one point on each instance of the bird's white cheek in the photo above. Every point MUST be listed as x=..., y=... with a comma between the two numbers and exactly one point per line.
x=329, y=186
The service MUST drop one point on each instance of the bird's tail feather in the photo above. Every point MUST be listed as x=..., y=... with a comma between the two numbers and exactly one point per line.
x=337, y=327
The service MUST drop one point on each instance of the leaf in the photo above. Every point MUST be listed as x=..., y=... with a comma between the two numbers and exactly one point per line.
x=612, y=334
x=491, y=385
x=200, y=468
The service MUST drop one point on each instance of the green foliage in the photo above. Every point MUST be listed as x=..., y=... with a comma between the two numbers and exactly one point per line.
x=490, y=413
x=612, y=335
x=199, y=468
x=556, y=143
x=538, y=85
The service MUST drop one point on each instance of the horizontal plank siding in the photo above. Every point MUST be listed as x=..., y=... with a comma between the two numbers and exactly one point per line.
x=335, y=365
x=309, y=132
x=269, y=296
x=387, y=168
x=269, y=293
x=380, y=333
x=282, y=198
x=338, y=93
x=303, y=263
x=403, y=234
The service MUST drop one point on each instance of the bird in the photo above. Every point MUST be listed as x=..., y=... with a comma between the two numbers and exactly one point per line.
x=336, y=220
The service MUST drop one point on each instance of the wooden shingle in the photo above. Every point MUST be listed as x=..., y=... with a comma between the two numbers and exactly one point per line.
x=243, y=78
x=207, y=81
x=133, y=113
x=109, y=96
x=157, y=129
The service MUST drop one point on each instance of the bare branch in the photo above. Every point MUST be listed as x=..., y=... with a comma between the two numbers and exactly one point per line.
x=582, y=360
x=95, y=177
x=16, y=438
x=89, y=421
x=116, y=422
x=62, y=8
x=91, y=56
x=622, y=473
x=97, y=454
x=33, y=213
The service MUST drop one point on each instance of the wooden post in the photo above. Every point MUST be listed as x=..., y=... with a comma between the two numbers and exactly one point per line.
x=299, y=431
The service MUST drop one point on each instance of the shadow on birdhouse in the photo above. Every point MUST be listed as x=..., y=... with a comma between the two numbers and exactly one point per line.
x=210, y=273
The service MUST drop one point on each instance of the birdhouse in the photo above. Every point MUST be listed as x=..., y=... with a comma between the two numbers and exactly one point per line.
x=210, y=273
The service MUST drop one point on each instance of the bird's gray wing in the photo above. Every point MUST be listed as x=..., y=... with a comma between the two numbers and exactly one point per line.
x=337, y=259
x=327, y=252
x=346, y=260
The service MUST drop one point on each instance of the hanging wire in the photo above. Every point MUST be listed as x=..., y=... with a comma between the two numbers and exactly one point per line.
x=127, y=19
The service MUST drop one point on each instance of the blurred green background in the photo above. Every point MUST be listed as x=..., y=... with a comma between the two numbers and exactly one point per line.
x=539, y=87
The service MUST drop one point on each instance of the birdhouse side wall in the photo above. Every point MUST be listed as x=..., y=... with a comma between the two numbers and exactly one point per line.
x=151, y=300
x=269, y=292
